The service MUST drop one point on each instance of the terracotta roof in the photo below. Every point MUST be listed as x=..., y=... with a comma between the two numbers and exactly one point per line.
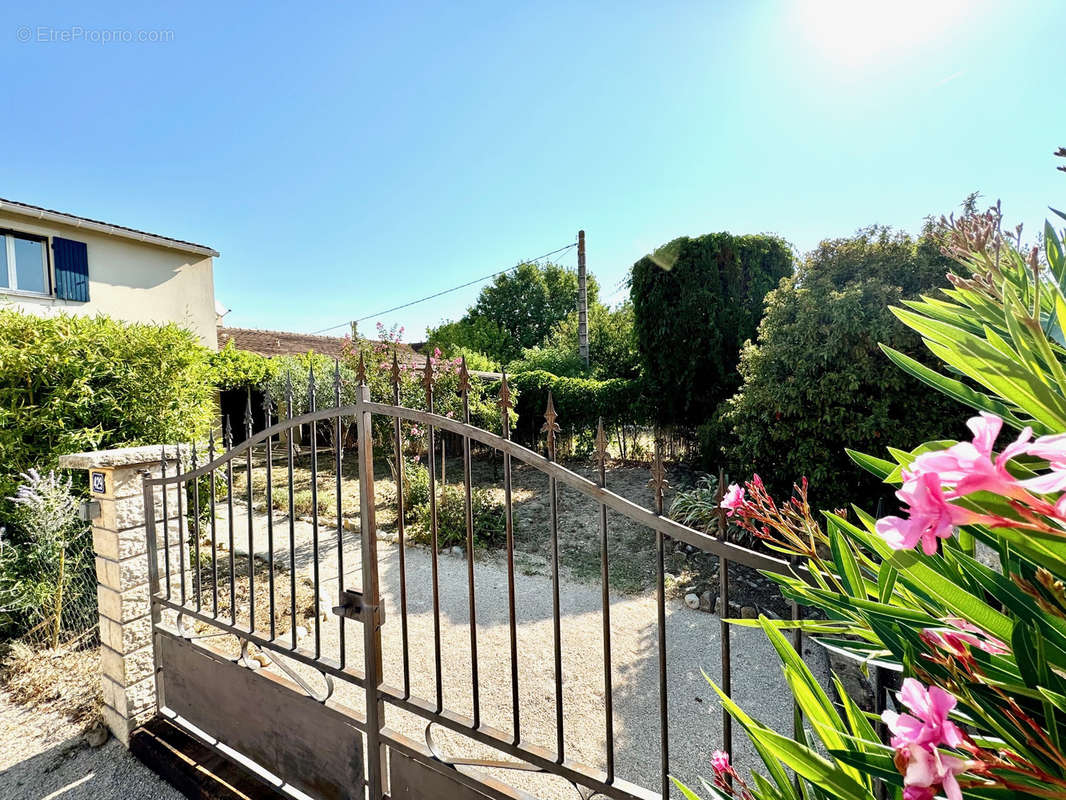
x=286, y=343
x=37, y=212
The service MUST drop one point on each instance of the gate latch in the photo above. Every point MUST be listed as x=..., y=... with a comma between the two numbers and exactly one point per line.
x=352, y=606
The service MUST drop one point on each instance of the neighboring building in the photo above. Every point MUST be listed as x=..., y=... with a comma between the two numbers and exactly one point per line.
x=271, y=344
x=51, y=262
x=285, y=343
x=280, y=343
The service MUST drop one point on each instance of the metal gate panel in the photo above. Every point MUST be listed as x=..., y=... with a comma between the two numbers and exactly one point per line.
x=313, y=744
x=313, y=747
x=413, y=780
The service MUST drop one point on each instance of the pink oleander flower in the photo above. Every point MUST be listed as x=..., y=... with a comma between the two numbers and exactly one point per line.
x=931, y=516
x=957, y=642
x=928, y=723
x=720, y=762
x=733, y=499
x=924, y=770
x=918, y=793
x=970, y=467
x=1053, y=450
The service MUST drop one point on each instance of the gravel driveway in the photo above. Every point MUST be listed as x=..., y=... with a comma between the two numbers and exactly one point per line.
x=692, y=645
x=43, y=756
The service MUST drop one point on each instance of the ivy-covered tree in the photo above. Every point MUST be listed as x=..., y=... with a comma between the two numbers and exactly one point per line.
x=816, y=381
x=695, y=302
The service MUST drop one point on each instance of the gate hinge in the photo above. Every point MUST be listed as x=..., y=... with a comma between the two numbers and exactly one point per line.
x=352, y=606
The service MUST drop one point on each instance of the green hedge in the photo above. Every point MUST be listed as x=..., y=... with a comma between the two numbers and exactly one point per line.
x=240, y=369
x=580, y=402
x=69, y=384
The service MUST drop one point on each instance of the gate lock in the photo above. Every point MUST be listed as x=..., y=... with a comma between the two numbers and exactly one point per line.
x=352, y=607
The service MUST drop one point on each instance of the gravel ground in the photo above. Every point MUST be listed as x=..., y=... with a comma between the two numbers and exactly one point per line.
x=692, y=646
x=43, y=756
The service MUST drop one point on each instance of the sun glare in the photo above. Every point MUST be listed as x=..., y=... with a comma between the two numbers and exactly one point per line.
x=856, y=33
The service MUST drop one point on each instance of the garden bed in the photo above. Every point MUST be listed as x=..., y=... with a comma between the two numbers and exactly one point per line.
x=631, y=546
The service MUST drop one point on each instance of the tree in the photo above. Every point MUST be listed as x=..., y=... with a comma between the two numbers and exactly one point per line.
x=612, y=340
x=816, y=381
x=469, y=333
x=517, y=310
x=695, y=302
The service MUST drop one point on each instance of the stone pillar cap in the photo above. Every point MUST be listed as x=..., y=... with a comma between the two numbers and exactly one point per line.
x=123, y=456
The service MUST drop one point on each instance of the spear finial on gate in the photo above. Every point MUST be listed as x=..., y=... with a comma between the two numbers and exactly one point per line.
x=248, y=414
x=658, y=483
x=311, y=404
x=550, y=426
x=464, y=377
x=427, y=380
x=504, y=402
x=268, y=406
x=360, y=373
x=395, y=371
x=227, y=434
x=337, y=382
x=601, y=443
x=211, y=445
x=288, y=394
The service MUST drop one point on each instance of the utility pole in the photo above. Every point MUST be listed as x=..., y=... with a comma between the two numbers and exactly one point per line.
x=582, y=301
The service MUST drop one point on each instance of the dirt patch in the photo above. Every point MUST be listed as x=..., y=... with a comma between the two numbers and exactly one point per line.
x=307, y=604
x=62, y=682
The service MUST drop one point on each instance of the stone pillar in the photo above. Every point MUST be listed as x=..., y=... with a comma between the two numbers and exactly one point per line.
x=120, y=543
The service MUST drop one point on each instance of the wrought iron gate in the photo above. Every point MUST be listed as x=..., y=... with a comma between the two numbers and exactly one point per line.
x=285, y=722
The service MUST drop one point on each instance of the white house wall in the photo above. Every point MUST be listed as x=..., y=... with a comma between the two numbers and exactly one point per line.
x=128, y=280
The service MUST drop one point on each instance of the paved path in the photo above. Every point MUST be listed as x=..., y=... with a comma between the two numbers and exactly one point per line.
x=692, y=646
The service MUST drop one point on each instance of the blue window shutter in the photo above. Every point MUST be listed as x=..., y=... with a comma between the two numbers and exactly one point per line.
x=72, y=269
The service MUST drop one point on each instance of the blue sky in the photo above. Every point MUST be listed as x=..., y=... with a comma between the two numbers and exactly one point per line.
x=347, y=160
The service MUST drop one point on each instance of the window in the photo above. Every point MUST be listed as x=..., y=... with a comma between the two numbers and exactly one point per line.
x=23, y=263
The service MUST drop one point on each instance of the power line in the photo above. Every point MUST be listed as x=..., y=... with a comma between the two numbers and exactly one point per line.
x=446, y=291
x=621, y=286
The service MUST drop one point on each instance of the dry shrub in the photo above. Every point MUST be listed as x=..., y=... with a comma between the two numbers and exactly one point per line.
x=61, y=681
